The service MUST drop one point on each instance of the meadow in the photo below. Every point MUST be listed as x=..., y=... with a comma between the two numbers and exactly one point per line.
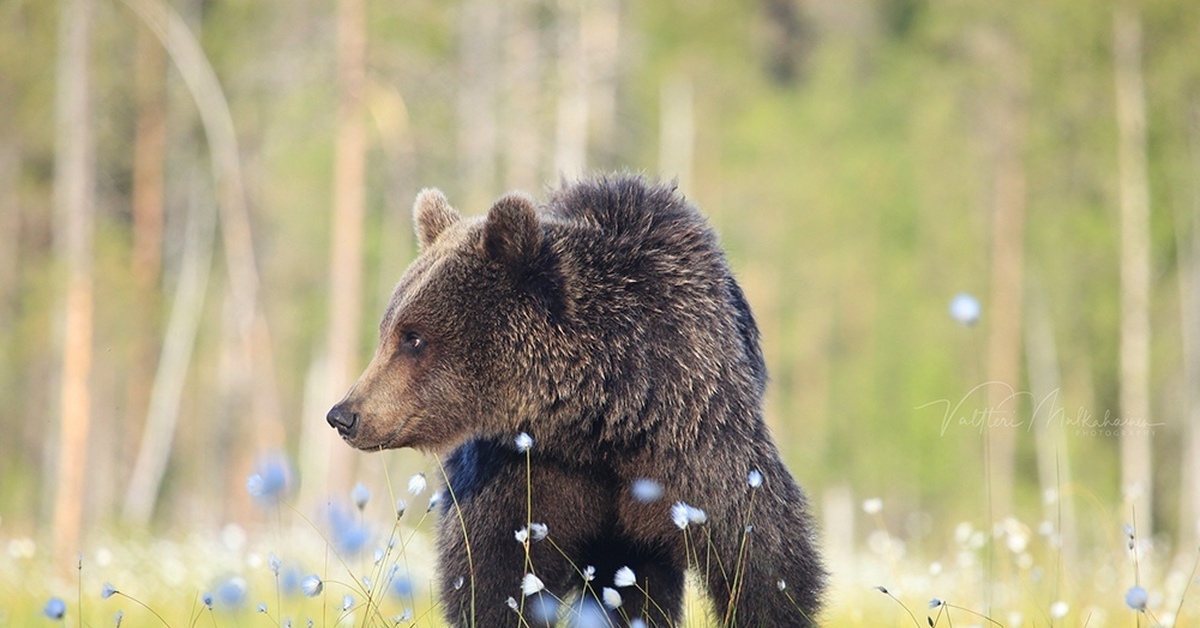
x=368, y=560
x=204, y=206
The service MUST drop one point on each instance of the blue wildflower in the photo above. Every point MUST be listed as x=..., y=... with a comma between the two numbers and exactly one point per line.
x=231, y=592
x=542, y=610
x=289, y=579
x=271, y=478
x=401, y=587
x=207, y=599
x=1136, y=598
x=107, y=591
x=349, y=534
x=965, y=309
x=55, y=608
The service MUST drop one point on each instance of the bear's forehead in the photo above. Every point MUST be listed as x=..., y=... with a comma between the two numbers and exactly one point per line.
x=457, y=243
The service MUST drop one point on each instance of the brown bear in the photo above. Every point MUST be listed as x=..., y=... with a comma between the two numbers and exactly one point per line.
x=592, y=366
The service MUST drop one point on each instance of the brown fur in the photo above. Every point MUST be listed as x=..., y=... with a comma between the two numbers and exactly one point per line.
x=607, y=325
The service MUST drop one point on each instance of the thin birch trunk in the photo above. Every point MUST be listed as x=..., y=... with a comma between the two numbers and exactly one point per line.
x=1053, y=456
x=600, y=31
x=1133, y=186
x=162, y=414
x=74, y=190
x=1007, y=271
x=478, y=129
x=523, y=87
x=346, y=255
x=677, y=133
x=149, y=156
x=1188, y=238
x=247, y=323
x=571, y=129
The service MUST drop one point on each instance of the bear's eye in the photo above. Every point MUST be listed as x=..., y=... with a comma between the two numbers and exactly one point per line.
x=412, y=341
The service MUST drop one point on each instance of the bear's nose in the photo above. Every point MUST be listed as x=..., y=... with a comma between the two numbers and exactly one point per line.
x=343, y=420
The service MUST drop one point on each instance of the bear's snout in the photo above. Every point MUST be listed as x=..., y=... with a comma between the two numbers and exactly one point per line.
x=344, y=420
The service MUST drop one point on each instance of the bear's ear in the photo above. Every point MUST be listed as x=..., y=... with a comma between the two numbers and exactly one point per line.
x=512, y=234
x=432, y=213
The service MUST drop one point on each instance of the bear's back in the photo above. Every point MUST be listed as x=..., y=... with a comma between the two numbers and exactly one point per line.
x=631, y=210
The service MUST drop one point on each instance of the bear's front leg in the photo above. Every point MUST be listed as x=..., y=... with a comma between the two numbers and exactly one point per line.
x=493, y=493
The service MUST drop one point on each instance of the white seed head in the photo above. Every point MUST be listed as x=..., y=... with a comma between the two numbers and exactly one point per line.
x=531, y=584
x=624, y=577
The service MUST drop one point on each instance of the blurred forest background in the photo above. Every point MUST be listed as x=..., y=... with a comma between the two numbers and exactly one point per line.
x=204, y=205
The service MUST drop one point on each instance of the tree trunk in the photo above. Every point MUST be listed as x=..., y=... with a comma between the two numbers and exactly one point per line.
x=1188, y=237
x=479, y=31
x=333, y=461
x=571, y=131
x=246, y=323
x=1133, y=186
x=1053, y=459
x=149, y=155
x=162, y=415
x=1007, y=136
x=523, y=88
x=10, y=235
x=74, y=189
x=600, y=31
x=677, y=132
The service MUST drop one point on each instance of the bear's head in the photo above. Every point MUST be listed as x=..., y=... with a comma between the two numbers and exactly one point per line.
x=457, y=353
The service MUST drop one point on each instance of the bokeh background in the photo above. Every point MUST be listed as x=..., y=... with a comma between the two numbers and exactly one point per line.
x=204, y=205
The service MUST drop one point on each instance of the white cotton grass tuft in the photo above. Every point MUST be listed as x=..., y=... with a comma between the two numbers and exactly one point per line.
x=872, y=506
x=781, y=584
x=624, y=578
x=646, y=490
x=512, y=604
x=754, y=478
x=435, y=499
x=683, y=514
x=531, y=584
x=679, y=515
x=611, y=598
x=417, y=484
x=360, y=495
x=589, y=573
x=311, y=586
x=1059, y=609
x=524, y=442
x=534, y=531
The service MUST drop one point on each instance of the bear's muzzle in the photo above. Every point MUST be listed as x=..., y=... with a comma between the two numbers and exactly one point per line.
x=343, y=420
